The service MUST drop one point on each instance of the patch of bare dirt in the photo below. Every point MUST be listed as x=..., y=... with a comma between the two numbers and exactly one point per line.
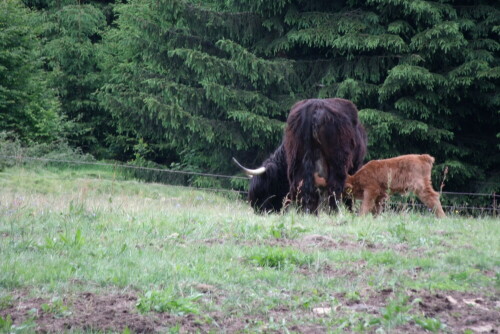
x=459, y=311
x=315, y=241
x=89, y=311
x=308, y=242
x=327, y=271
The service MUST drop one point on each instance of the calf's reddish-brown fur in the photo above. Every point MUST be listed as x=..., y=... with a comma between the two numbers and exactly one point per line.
x=402, y=174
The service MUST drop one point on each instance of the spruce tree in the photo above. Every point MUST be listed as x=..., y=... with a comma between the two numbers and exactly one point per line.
x=185, y=79
x=71, y=36
x=29, y=109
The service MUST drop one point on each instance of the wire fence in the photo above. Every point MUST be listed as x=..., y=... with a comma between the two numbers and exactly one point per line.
x=456, y=208
x=462, y=203
x=177, y=178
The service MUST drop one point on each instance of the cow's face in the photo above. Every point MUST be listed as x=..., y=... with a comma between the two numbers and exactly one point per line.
x=268, y=186
x=265, y=195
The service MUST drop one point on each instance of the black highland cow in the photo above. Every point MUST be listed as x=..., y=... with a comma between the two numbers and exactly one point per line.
x=323, y=137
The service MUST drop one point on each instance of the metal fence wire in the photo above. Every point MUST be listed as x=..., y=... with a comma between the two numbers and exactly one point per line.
x=461, y=203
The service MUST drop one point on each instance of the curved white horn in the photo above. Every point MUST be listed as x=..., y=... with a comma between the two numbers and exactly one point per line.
x=250, y=172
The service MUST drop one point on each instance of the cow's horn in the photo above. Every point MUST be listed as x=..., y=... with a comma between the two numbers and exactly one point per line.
x=250, y=172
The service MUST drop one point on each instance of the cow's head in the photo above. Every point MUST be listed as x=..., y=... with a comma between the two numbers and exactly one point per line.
x=269, y=185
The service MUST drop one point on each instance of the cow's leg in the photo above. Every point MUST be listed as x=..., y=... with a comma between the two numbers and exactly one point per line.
x=349, y=202
x=295, y=191
x=311, y=202
x=307, y=202
x=368, y=204
x=430, y=198
x=309, y=196
x=334, y=195
x=335, y=183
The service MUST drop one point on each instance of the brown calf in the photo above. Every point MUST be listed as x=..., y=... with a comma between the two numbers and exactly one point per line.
x=401, y=174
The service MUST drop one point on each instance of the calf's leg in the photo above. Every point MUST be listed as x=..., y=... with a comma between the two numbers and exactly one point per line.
x=431, y=198
x=368, y=203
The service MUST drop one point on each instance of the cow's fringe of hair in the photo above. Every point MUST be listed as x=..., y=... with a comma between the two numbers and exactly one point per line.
x=308, y=159
x=301, y=125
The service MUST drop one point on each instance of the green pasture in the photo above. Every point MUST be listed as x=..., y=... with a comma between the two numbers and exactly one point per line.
x=64, y=231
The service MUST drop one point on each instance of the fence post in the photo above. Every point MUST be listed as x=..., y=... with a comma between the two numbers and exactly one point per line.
x=19, y=159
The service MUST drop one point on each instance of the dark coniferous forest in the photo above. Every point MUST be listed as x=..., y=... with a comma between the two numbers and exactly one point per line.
x=190, y=84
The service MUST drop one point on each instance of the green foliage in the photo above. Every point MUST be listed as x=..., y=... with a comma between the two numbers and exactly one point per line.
x=279, y=258
x=5, y=301
x=64, y=241
x=7, y=326
x=56, y=306
x=397, y=312
x=400, y=231
x=28, y=107
x=72, y=32
x=185, y=92
x=220, y=77
x=188, y=84
x=430, y=324
x=13, y=151
x=282, y=230
x=167, y=301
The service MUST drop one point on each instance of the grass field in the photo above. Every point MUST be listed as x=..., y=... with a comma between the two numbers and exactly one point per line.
x=85, y=250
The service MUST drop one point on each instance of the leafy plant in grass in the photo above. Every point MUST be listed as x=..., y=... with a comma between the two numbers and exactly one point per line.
x=167, y=301
x=431, y=324
x=5, y=301
x=353, y=296
x=279, y=258
x=466, y=278
x=396, y=313
x=384, y=258
x=56, y=307
x=7, y=326
x=356, y=322
x=65, y=241
x=400, y=231
x=77, y=241
x=282, y=231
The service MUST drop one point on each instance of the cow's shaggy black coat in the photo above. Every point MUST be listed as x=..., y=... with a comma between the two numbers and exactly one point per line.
x=267, y=192
x=325, y=133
